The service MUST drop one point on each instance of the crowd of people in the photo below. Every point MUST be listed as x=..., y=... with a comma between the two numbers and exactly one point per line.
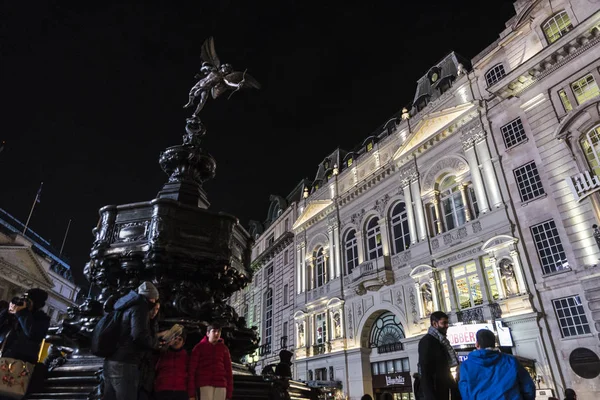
x=147, y=364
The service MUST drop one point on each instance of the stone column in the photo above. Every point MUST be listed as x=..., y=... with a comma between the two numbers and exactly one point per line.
x=476, y=176
x=482, y=279
x=311, y=284
x=337, y=250
x=488, y=171
x=518, y=271
x=419, y=300
x=465, y=199
x=300, y=266
x=420, y=213
x=304, y=266
x=360, y=245
x=331, y=252
x=385, y=237
x=494, y=266
x=434, y=292
x=438, y=212
x=412, y=229
x=451, y=290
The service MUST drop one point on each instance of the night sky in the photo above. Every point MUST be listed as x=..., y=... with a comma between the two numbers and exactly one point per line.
x=93, y=92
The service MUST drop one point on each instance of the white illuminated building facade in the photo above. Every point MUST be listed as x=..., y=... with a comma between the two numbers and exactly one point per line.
x=478, y=201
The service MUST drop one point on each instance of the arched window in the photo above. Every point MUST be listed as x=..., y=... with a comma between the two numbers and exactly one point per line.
x=590, y=143
x=453, y=207
x=268, y=324
x=494, y=74
x=351, y=247
x=400, y=234
x=374, y=245
x=387, y=331
x=320, y=270
x=557, y=26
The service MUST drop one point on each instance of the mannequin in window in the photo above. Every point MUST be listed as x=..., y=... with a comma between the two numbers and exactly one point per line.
x=509, y=280
x=427, y=296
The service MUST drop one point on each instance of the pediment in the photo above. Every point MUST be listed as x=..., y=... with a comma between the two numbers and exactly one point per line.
x=430, y=126
x=312, y=209
x=23, y=263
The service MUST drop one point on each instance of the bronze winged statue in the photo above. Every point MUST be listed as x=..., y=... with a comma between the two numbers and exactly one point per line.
x=216, y=78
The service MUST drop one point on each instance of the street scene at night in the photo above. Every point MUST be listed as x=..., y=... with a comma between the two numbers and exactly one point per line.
x=299, y=200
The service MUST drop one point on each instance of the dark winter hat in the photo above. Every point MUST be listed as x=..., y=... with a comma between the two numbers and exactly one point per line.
x=148, y=290
x=38, y=296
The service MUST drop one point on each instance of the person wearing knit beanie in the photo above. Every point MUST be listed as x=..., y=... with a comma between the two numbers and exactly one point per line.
x=149, y=291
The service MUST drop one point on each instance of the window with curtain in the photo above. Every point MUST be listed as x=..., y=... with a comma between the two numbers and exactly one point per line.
x=351, y=247
x=374, y=245
x=321, y=328
x=453, y=207
x=320, y=269
x=399, y=228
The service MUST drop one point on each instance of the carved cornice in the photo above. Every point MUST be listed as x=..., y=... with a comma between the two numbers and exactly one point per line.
x=473, y=132
x=377, y=177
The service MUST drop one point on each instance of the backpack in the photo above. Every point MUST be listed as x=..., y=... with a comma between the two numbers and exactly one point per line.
x=105, y=337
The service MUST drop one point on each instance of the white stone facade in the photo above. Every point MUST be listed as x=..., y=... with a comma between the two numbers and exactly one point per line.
x=478, y=202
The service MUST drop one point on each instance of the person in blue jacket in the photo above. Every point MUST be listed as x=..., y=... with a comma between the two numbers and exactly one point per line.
x=489, y=375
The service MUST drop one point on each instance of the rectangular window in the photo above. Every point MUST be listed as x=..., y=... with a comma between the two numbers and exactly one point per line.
x=565, y=100
x=571, y=316
x=529, y=182
x=468, y=286
x=491, y=278
x=286, y=257
x=585, y=89
x=433, y=220
x=270, y=240
x=321, y=328
x=513, y=133
x=269, y=270
x=349, y=162
x=390, y=366
x=286, y=224
x=549, y=247
x=445, y=291
x=284, y=333
x=285, y=294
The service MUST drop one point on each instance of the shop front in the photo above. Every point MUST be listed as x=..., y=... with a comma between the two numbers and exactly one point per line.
x=395, y=386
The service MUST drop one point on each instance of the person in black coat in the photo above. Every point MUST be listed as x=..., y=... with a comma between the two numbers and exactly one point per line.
x=122, y=369
x=24, y=326
x=436, y=357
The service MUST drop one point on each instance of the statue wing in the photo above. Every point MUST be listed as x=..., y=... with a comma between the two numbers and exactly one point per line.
x=208, y=53
x=218, y=90
x=249, y=81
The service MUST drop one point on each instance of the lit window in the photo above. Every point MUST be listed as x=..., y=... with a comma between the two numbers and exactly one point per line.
x=565, y=100
x=400, y=234
x=557, y=26
x=351, y=246
x=468, y=286
x=349, y=162
x=513, y=133
x=321, y=328
x=320, y=267
x=549, y=247
x=445, y=291
x=495, y=74
x=374, y=245
x=268, y=316
x=590, y=143
x=453, y=207
x=529, y=182
x=571, y=316
x=369, y=146
x=585, y=89
x=387, y=331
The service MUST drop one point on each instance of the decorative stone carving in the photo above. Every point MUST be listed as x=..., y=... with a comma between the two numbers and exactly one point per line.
x=356, y=218
x=401, y=259
x=476, y=226
x=457, y=257
x=495, y=310
x=435, y=244
x=359, y=310
x=399, y=300
x=381, y=203
x=413, y=305
x=509, y=280
x=427, y=297
x=472, y=132
x=470, y=315
x=350, y=327
x=453, y=163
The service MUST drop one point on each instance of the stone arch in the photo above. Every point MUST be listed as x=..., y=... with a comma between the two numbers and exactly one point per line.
x=367, y=217
x=392, y=203
x=366, y=323
x=581, y=119
x=420, y=270
x=319, y=240
x=498, y=242
x=454, y=164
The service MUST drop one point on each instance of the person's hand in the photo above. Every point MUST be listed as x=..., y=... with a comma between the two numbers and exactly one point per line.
x=13, y=308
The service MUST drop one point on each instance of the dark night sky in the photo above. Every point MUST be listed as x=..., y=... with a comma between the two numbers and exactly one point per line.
x=92, y=92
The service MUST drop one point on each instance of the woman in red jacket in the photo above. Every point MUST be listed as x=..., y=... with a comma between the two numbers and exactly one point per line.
x=171, y=382
x=210, y=368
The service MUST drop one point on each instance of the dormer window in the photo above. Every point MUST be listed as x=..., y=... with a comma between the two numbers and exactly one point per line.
x=494, y=74
x=557, y=26
x=434, y=75
x=369, y=146
x=326, y=164
x=349, y=162
x=421, y=102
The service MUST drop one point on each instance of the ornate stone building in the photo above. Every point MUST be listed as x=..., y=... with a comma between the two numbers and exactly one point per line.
x=539, y=81
x=28, y=261
x=267, y=303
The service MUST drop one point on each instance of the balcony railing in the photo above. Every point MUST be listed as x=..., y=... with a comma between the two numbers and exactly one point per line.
x=470, y=315
x=321, y=348
x=391, y=347
x=583, y=184
x=264, y=350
